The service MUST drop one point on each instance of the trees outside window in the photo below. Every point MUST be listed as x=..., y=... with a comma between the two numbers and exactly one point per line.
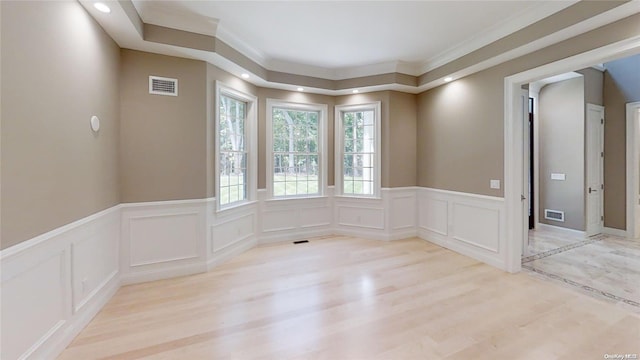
x=295, y=134
x=357, y=150
x=235, y=163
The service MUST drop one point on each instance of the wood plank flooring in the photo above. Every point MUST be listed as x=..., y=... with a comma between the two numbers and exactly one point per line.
x=350, y=298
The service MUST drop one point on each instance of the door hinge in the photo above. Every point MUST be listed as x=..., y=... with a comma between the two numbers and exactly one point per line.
x=602, y=186
x=601, y=153
x=601, y=218
x=602, y=121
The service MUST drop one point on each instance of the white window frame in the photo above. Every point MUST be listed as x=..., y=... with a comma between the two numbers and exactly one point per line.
x=251, y=143
x=339, y=148
x=322, y=147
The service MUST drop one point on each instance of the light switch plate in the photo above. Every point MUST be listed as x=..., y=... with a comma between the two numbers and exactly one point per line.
x=494, y=184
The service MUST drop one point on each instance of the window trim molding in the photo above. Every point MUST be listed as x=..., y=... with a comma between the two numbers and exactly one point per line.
x=322, y=145
x=251, y=134
x=376, y=106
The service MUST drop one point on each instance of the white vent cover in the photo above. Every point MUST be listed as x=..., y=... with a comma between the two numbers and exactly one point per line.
x=163, y=86
x=555, y=215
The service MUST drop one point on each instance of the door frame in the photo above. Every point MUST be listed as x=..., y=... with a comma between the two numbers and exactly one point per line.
x=601, y=172
x=633, y=173
x=513, y=133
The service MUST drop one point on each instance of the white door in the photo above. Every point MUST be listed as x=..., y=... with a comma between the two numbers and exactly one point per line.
x=595, y=169
x=525, y=171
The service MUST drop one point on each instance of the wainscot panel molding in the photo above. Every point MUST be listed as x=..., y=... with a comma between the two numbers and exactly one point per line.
x=161, y=240
x=55, y=283
x=473, y=225
x=294, y=219
x=390, y=217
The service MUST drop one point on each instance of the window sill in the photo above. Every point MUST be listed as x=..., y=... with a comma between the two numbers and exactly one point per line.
x=235, y=206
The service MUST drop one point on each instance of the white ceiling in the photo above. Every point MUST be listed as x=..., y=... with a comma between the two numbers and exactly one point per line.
x=327, y=38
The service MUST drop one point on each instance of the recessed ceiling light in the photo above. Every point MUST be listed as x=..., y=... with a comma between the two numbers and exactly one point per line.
x=300, y=89
x=102, y=7
x=448, y=78
x=355, y=91
x=245, y=76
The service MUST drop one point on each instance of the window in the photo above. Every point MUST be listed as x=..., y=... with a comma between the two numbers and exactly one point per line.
x=358, y=150
x=235, y=141
x=295, y=145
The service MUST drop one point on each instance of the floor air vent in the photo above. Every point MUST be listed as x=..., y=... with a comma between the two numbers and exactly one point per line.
x=301, y=242
x=163, y=86
x=554, y=215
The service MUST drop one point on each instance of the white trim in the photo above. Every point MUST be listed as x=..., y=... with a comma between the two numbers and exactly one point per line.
x=339, y=147
x=513, y=132
x=614, y=232
x=322, y=109
x=587, y=206
x=26, y=245
x=251, y=135
x=547, y=227
x=633, y=159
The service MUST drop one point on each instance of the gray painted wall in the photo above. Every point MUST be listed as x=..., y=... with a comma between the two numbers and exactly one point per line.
x=561, y=131
x=55, y=170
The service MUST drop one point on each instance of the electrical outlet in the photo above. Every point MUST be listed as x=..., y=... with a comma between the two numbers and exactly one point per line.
x=494, y=184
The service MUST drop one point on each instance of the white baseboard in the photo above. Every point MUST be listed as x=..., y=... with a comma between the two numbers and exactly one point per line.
x=470, y=224
x=614, y=232
x=561, y=229
x=54, y=284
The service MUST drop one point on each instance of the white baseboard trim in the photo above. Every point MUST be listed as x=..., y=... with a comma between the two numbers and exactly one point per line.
x=286, y=236
x=614, y=232
x=230, y=252
x=165, y=272
x=561, y=229
x=470, y=224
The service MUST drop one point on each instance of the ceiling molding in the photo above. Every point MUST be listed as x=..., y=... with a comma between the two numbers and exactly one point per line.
x=129, y=31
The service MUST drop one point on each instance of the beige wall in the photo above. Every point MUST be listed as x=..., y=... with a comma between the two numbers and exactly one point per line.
x=460, y=124
x=55, y=170
x=401, y=169
x=460, y=134
x=621, y=85
x=561, y=131
x=163, y=138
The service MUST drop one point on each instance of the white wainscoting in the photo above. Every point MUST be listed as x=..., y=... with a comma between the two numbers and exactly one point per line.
x=391, y=217
x=163, y=239
x=53, y=285
x=231, y=232
x=473, y=225
x=294, y=219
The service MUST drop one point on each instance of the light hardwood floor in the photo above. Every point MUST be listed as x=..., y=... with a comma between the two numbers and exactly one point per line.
x=350, y=298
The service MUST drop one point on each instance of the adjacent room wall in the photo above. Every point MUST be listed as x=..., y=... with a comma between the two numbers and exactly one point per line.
x=55, y=170
x=460, y=124
x=621, y=86
x=163, y=152
x=561, y=131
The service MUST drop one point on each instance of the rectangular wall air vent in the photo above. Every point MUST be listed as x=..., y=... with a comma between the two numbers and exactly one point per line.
x=554, y=215
x=163, y=86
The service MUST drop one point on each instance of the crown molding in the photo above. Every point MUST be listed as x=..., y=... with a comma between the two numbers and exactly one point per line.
x=208, y=42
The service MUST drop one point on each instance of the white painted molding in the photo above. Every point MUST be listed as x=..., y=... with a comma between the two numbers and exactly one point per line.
x=513, y=132
x=561, y=230
x=469, y=224
x=55, y=283
x=633, y=174
x=614, y=232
